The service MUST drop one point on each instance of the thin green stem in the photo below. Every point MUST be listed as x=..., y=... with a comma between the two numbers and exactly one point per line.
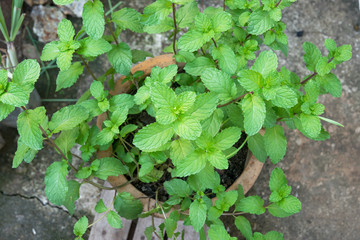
x=175, y=27
x=107, y=211
x=237, y=150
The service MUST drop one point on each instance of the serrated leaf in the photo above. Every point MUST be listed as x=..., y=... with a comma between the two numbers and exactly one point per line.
x=67, y=118
x=81, y=226
x=185, y=101
x=50, y=51
x=28, y=126
x=226, y=200
x=153, y=136
x=277, y=180
x=260, y=22
x=170, y=226
x=226, y=57
x=323, y=66
x=66, y=140
x=68, y=77
x=266, y=63
x=186, y=14
x=197, y=213
x=217, y=232
x=205, y=104
x=252, y=204
x=290, y=204
x=192, y=164
x=227, y=138
x=177, y=187
x=128, y=18
x=213, y=123
x=343, y=53
x=194, y=40
x=26, y=72
x=311, y=124
x=65, y=30
x=93, y=19
x=140, y=55
x=105, y=136
x=257, y=147
x=330, y=45
x=100, y=207
x=163, y=25
x=162, y=96
x=72, y=195
x=188, y=128
x=114, y=220
x=20, y=153
x=221, y=21
x=250, y=80
x=56, y=185
x=6, y=109
x=244, y=226
x=218, y=160
x=121, y=100
x=273, y=235
x=275, y=143
x=276, y=211
x=254, y=111
x=93, y=47
x=15, y=95
x=127, y=206
x=219, y=82
x=331, y=84
x=199, y=65
x=165, y=116
x=312, y=55
x=180, y=149
x=110, y=167
x=285, y=97
x=128, y=129
x=120, y=58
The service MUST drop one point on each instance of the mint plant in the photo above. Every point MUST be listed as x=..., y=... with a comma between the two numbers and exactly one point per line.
x=201, y=106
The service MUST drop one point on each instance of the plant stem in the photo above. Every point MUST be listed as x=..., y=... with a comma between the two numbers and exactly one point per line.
x=224, y=7
x=234, y=100
x=175, y=25
x=308, y=78
x=278, y=3
x=87, y=66
x=111, y=30
x=107, y=211
x=12, y=54
x=214, y=42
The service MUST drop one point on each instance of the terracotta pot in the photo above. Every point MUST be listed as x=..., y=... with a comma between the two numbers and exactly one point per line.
x=247, y=178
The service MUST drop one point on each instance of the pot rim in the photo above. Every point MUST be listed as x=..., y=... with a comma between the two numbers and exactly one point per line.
x=247, y=178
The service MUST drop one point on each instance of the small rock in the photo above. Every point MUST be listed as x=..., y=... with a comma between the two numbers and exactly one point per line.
x=46, y=20
x=74, y=9
x=35, y=2
x=2, y=142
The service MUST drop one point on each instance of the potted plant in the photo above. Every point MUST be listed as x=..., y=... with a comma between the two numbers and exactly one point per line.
x=176, y=124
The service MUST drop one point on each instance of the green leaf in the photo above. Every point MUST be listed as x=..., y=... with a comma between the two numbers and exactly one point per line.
x=257, y=147
x=244, y=226
x=26, y=72
x=217, y=232
x=65, y=30
x=331, y=121
x=219, y=82
x=161, y=26
x=170, y=226
x=120, y=58
x=63, y=2
x=331, y=84
x=259, y=22
x=127, y=129
x=285, y=97
x=277, y=180
x=221, y=21
x=56, y=185
x=218, y=160
x=114, y=220
x=66, y=140
x=140, y=55
x=330, y=45
x=93, y=19
x=121, y=100
x=205, y=104
x=180, y=149
x=323, y=66
x=81, y=226
x=312, y=55
x=226, y=57
x=110, y=167
x=226, y=200
x=15, y=95
x=311, y=124
x=252, y=204
x=128, y=18
x=67, y=118
x=93, y=47
x=50, y=51
x=162, y=96
x=276, y=211
x=250, y=80
x=153, y=136
x=227, y=138
x=213, y=123
x=68, y=77
x=186, y=14
x=185, y=101
x=343, y=53
x=177, y=187
x=105, y=136
x=275, y=143
x=20, y=153
x=28, y=126
x=64, y=60
x=194, y=40
x=273, y=235
x=192, y=164
x=6, y=109
x=72, y=195
x=197, y=213
x=290, y=204
x=199, y=65
x=127, y=206
x=100, y=207
x=188, y=128
x=266, y=63
x=254, y=111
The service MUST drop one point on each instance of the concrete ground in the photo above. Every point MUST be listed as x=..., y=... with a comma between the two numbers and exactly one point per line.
x=324, y=175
